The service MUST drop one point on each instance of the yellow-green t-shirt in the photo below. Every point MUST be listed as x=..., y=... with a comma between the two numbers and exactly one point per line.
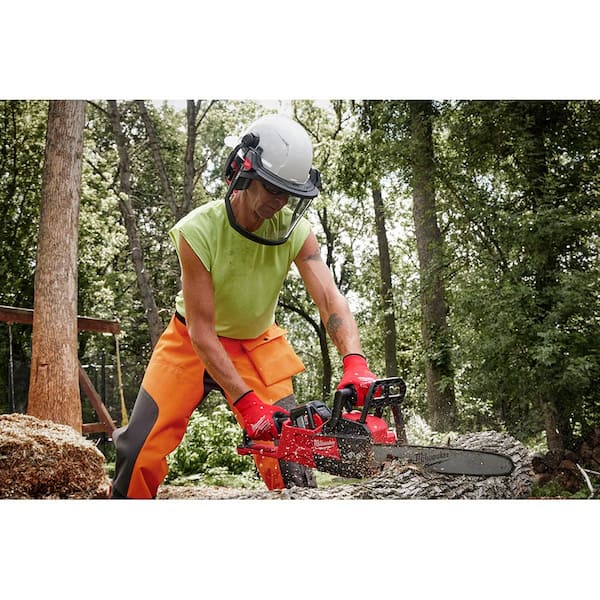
x=247, y=276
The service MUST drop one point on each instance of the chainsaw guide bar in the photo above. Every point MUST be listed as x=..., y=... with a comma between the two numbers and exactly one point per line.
x=452, y=461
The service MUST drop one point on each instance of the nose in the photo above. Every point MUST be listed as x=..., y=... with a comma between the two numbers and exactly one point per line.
x=282, y=199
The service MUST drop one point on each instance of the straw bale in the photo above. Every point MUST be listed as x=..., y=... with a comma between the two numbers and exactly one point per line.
x=42, y=459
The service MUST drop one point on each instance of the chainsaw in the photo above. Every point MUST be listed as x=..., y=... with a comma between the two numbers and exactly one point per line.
x=351, y=443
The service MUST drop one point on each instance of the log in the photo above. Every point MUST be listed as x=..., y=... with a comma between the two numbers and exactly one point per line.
x=399, y=480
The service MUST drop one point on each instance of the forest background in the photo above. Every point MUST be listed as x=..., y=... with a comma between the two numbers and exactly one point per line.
x=464, y=234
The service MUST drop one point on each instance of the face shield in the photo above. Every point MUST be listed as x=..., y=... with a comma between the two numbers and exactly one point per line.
x=276, y=229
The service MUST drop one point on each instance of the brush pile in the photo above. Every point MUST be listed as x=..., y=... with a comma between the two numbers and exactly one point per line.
x=42, y=459
x=570, y=468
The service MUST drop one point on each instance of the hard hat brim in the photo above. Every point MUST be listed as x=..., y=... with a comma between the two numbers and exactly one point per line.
x=309, y=189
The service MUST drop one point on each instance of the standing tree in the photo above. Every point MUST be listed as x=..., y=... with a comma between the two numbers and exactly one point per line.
x=155, y=323
x=369, y=159
x=54, y=380
x=373, y=128
x=434, y=328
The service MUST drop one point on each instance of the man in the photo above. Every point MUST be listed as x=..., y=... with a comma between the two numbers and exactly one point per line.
x=234, y=256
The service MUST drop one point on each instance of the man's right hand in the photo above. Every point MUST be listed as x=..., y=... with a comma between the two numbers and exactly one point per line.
x=258, y=416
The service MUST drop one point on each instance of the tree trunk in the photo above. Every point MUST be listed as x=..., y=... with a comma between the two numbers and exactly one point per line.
x=434, y=328
x=54, y=378
x=557, y=431
x=155, y=324
x=326, y=382
x=387, y=292
x=158, y=160
x=189, y=172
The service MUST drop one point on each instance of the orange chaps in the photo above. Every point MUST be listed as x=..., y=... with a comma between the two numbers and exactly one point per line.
x=174, y=384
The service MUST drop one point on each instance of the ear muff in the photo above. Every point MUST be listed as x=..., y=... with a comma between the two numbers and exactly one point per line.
x=250, y=140
x=235, y=160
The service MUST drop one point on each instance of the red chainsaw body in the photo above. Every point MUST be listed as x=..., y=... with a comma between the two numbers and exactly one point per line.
x=310, y=446
x=331, y=441
x=378, y=428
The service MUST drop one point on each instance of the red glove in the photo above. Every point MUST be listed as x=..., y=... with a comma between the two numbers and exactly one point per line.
x=357, y=375
x=258, y=416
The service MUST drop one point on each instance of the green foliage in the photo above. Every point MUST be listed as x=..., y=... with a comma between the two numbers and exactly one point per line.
x=518, y=179
x=22, y=146
x=553, y=489
x=208, y=450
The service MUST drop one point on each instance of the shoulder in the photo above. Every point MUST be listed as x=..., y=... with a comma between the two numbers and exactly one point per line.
x=201, y=219
x=212, y=209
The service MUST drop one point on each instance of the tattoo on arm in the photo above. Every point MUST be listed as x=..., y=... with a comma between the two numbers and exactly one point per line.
x=333, y=325
x=314, y=256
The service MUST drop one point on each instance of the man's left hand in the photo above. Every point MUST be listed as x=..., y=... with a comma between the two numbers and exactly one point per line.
x=357, y=375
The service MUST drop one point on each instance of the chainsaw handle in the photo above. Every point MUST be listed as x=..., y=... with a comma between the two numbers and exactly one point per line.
x=251, y=447
x=342, y=398
x=279, y=419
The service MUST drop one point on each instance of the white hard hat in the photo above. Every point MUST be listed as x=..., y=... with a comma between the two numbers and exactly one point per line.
x=276, y=149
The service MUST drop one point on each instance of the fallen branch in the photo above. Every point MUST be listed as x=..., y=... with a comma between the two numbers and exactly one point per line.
x=587, y=481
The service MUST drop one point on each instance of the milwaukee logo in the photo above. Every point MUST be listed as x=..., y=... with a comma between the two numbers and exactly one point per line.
x=323, y=445
x=431, y=456
x=260, y=426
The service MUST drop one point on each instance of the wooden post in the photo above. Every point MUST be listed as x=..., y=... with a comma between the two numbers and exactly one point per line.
x=106, y=424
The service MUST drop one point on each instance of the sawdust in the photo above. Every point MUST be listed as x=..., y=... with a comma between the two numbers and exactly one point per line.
x=42, y=459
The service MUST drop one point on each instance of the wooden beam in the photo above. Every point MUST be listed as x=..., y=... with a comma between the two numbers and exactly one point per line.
x=10, y=314
x=87, y=428
x=96, y=401
x=24, y=316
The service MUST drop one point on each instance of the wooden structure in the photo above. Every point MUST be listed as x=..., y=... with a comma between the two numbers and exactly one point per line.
x=10, y=315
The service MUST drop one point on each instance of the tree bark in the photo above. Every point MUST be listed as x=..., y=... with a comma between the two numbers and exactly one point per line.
x=54, y=378
x=434, y=328
x=155, y=324
x=189, y=172
x=387, y=292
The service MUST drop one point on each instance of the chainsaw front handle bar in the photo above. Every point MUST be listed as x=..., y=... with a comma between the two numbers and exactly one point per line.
x=382, y=392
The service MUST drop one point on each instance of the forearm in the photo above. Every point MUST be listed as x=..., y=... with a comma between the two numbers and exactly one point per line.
x=217, y=363
x=333, y=307
x=341, y=326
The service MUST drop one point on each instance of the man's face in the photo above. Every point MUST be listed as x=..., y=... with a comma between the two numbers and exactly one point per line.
x=267, y=199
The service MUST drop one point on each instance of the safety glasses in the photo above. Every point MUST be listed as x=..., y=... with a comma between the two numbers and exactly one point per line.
x=273, y=190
